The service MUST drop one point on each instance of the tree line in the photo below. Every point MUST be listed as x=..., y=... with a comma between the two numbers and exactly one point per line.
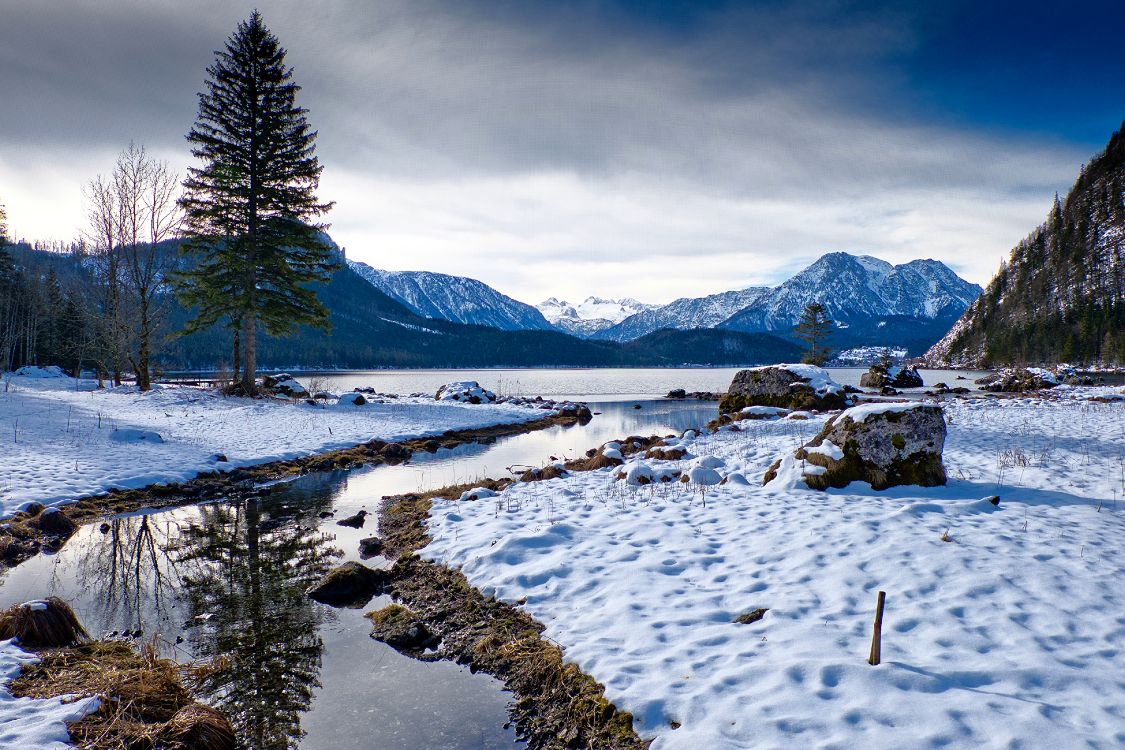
x=247, y=213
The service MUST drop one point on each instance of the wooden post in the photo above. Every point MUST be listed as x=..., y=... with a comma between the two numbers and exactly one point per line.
x=877, y=634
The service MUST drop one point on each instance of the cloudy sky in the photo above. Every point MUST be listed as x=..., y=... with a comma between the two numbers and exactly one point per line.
x=629, y=148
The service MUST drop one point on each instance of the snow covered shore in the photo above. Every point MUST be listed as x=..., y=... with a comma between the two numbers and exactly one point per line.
x=1009, y=634
x=63, y=439
x=34, y=722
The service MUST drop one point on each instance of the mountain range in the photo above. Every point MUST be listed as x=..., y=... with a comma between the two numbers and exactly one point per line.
x=872, y=302
x=591, y=316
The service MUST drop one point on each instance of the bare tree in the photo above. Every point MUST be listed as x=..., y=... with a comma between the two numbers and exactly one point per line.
x=132, y=213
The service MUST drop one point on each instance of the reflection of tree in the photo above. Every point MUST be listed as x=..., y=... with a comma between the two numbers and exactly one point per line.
x=131, y=573
x=245, y=579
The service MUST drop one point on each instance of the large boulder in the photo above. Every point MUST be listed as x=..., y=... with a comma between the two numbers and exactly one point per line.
x=882, y=444
x=349, y=585
x=1018, y=380
x=465, y=391
x=881, y=375
x=284, y=384
x=785, y=386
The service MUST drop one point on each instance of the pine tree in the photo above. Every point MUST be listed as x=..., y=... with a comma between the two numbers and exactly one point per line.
x=813, y=329
x=248, y=208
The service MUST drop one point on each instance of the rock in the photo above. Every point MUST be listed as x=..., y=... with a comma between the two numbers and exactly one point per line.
x=888, y=391
x=1018, y=380
x=349, y=585
x=370, y=546
x=465, y=391
x=351, y=399
x=394, y=452
x=881, y=375
x=33, y=508
x=883, y=444
x=677, y=393
x=219, y=458
x=284, y=384
x=400, y=628
x=53, y=521
x=583, y=414
x=786, y=386
x=355, y=522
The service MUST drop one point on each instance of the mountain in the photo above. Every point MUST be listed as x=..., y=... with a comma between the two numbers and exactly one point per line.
x=591, y=315
x=453, y=298
x=684, y=313
x=712, y=346
x=871, y=301
x=1061, y=295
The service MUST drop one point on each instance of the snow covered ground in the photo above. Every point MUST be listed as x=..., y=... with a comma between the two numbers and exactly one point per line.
x=38, y=723
x=1010, y=634
x=62, y=439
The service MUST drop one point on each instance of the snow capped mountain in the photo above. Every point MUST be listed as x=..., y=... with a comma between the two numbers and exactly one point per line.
x=591, y=315
x=685, y=313
x=453, y=298
x=860, y=292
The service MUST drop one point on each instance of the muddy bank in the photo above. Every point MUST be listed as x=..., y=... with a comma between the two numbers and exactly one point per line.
x=25, y=534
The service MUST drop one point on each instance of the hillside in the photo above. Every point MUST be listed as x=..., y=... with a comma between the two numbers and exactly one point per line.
x=684, y=313
x=1061, y=295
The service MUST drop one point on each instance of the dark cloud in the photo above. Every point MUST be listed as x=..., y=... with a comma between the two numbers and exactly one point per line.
x=772, y=132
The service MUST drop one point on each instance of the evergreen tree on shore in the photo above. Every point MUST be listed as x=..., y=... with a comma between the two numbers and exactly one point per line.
x=813, y=329
x=249, y=207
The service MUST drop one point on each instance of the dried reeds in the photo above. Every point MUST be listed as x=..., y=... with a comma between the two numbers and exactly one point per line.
x=44, y=623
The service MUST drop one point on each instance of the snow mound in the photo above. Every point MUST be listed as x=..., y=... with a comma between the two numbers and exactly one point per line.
x=32, y=371
x=465, y=391
x=477, y=493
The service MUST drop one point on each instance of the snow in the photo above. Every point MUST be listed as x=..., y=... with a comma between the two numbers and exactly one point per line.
x=863, y=411
x=816, y=377
x=828, y=449
x=61, y=442
x=32, y=371
x=764, y=411
x=35, y=722
x=1011, y=634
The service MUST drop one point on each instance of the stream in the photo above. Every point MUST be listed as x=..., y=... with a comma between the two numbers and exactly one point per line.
x=227, y=579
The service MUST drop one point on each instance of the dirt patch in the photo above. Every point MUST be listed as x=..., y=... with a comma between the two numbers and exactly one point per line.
x=22, y=537
x=140, y=693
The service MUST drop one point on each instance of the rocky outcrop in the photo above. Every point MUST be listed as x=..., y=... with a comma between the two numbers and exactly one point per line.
x=893, y=376
x=882, y=444
x=465, y=391
x=349, y=585
x=785, y=386
x=284, y=384
x=1018, y=380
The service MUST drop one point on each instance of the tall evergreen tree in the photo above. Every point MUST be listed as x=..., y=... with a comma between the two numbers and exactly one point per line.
x=249, y=208
x=813, y=329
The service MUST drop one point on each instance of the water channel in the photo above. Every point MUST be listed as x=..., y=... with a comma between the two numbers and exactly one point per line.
x=227, y=579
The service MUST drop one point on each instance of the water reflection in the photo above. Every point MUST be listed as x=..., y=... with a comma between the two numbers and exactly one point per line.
x=245, y=574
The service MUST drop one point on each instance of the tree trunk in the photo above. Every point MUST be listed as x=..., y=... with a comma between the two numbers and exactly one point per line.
x=249, y=355
x=144, y=378
x=236, y=356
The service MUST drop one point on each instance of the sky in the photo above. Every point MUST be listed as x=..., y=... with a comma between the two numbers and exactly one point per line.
x=624, y=148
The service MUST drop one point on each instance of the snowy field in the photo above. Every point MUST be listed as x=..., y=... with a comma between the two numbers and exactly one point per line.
x=1010, y=634
x=62, y=439
x=38, y=723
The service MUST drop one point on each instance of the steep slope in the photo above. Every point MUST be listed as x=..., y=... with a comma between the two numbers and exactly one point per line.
x=871, y=301
x=1061, y=295
x=684, y=313
x=590, y=316
x=453, y=298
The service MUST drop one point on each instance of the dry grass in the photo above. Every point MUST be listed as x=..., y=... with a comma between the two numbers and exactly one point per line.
x=141, y=695
x=48, y=623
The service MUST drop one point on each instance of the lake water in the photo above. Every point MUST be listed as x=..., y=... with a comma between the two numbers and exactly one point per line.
x=228, y=579
x=594, y=383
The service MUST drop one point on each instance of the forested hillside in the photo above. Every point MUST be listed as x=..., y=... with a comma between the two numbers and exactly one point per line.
x=1061, y=295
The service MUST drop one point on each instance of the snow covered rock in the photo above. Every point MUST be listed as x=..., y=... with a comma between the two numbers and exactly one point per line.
x=284, y=384
x=477, y=493
x=885, y=445
x=466, y=391
x=351, y=399
x=1018, y=380
x=880, y=376
x=50, y=371
x=785, y=386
